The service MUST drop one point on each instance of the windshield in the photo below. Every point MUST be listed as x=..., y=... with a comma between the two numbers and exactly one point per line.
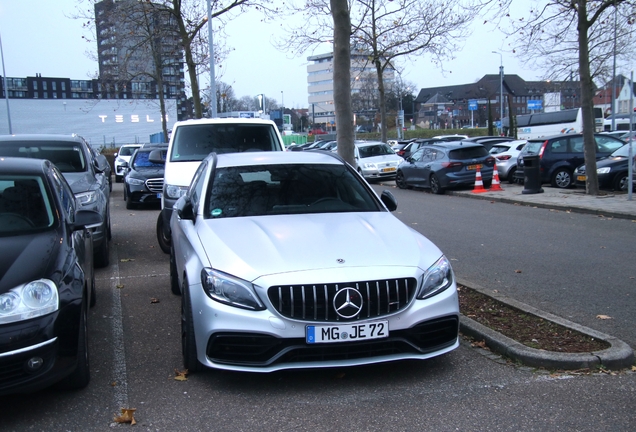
x=141, y=161
x=287, y=189
x=67, y=156
x=194, y=142
x=24, y=205
x=127, y=151
x=375, y=150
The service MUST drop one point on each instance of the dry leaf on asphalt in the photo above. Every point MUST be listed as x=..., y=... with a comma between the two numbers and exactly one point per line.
x=480, y=344
x=154, y=300
x=126, y=416
x=517, y=271
x=126, y=259
x=120, y=286
x=181, y=375
x=603, y=317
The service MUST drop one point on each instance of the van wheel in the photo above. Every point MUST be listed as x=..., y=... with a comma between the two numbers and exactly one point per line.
x=620, y=182
x=164, y=240
x=562, y=178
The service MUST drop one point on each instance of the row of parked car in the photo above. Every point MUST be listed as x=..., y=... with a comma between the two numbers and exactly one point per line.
x=54, y=229
x=439, y=163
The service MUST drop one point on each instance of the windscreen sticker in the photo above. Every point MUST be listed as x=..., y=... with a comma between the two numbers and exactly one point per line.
x=217, y=212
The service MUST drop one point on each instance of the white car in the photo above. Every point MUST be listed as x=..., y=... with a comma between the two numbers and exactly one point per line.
x=123, y=156
x=506, y=154
x=282, y=260
x=376, y=160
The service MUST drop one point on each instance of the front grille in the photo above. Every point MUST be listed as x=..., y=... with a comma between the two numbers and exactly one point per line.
x=155, y=185
x=260, y=350
x=315, y=302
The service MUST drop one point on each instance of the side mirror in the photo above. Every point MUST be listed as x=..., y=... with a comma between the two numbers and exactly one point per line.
x=388, y=200
x=183, y=207
x=86, y=219
x=158, y=156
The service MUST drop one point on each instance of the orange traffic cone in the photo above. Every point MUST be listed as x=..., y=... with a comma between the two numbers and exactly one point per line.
x=479, y=184
x=496, y=184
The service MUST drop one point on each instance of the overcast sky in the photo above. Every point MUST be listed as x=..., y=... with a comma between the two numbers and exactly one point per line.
x=38, y=37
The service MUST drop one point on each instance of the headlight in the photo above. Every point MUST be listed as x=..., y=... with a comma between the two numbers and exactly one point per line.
x=86, y=198
x=28, y=301
x=230, y=290
x=175, y=192
x=604, y=170
x=369, y=165
x=436, y=279
x=134, y=181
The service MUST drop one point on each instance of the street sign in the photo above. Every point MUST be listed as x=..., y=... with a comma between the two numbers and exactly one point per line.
x=535, y=105
x=472, y=105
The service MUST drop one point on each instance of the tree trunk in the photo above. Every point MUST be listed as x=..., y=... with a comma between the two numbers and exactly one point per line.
x=342, y=79
x=587, y=102
x=189, y=59
x=382, y=99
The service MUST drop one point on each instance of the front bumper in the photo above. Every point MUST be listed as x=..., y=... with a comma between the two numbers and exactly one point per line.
x=265, y=341
x=52, y=338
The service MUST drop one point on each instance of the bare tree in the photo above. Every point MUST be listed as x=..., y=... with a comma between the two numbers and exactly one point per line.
x=569, y=36
x=342, y=79
x=388, y=31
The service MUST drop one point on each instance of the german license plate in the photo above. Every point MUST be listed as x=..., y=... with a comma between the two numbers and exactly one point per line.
x=474, y=167
x=389, y=169
x=580, y=178
x=347, y=332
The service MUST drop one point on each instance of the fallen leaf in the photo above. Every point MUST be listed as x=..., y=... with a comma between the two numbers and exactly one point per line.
x=633, y=368
x=120, y=286
x=126, y=259
x=603, y=317
x=181, y=375
x=603, y=247
x=480, y=344
x=517, y=271
x=126, y=416
x=154, y=300
x=113, y=384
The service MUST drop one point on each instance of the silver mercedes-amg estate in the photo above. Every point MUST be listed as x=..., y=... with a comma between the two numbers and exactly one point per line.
x=290, y=260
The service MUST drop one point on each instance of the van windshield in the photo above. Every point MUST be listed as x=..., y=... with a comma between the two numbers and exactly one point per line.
x=195, y=142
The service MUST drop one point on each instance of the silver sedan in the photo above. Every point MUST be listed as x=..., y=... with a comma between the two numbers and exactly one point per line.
x=290, y=260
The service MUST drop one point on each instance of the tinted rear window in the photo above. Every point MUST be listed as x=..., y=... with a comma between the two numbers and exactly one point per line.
x=468, y=153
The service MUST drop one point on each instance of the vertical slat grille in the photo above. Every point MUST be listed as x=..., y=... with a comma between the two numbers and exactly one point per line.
x=310, y=302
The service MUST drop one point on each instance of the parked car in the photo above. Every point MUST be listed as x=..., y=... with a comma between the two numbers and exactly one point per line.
x=121, y=157
x=191, y=141
x=612, y=171
x=489, y=142
x=46, y=278
x=455, y=137
x=84, y=172
x=276, y=257
x=143, y=179
x=440, y=167
x=560, y=155
x=506, y=154
x=376, y=160
x=414, y=146
x=399, y=145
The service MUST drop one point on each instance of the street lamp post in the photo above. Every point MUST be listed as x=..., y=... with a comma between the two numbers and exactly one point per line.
x=6, y=90
x=501, y=75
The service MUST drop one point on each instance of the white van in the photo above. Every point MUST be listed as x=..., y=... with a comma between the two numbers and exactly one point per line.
x=192, y=141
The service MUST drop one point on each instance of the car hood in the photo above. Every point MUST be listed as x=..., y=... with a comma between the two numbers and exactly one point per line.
x=27, y=257
x=79, y=181
x=149, y=172
x=611, y=161
x=251, y=247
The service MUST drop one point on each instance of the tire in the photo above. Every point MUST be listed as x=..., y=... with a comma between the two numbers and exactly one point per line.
x=621, y=182
x=102, y=254
x=130, y=205
x=399, y=180
x=188, y=342
x=511, y=175
x=562, y=178
x=174, y=275
x=81, y=376
x=436, y=188
x=93, y=301
x=118, y=179
x=164, y=241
